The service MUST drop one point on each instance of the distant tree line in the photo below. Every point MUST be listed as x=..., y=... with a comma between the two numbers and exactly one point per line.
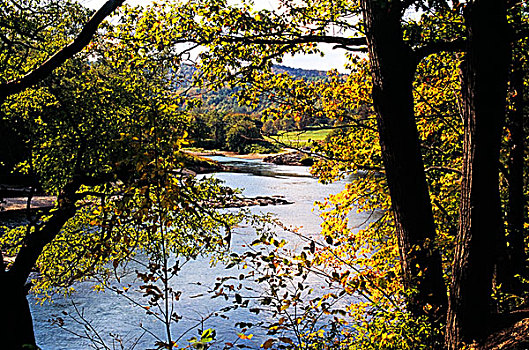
x=237, y=132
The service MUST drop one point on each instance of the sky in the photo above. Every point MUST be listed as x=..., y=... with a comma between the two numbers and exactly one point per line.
x=333, y=59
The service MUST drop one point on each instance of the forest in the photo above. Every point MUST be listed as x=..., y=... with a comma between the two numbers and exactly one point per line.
x=426, y=140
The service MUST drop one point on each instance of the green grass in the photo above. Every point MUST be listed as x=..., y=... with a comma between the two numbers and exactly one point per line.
x=301, y=138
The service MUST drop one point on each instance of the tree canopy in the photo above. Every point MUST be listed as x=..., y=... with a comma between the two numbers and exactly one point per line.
x=103, y=134
x=430, y=121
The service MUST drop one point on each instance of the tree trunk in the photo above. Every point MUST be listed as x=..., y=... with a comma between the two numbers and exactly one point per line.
x=16, y=325
x=516, y=258
x=484, y=74
x=393, y=66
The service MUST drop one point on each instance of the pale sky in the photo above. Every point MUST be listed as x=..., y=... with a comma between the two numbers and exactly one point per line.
x=333, y=59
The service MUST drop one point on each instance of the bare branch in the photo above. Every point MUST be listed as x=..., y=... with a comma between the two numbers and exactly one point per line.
x=439, y=46
x=351, y=48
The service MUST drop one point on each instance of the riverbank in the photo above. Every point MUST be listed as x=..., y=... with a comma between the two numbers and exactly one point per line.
x=13, y=207
x=196, y=163
x=207, y=153
x=17, y=205
x=287, y=157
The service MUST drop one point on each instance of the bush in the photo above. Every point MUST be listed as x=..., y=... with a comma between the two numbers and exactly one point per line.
x=262, y=148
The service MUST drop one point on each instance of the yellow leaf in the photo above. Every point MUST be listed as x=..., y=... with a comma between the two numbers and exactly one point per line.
x=244, y=336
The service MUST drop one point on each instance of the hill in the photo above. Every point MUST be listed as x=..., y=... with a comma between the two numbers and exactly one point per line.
x=308, y=74
x=223, y=100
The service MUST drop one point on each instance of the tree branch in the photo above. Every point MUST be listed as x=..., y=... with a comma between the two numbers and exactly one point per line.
x=36, y=241
x=45, y=69
x=329, y=39
x=351, y=48
x=439, y=46
x=444, y=169
x=2, y=263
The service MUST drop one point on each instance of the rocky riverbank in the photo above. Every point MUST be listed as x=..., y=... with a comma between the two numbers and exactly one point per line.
x=290, y=158
x=238, y=202
x=15, y=206
x=207, y=153
x=195, y=164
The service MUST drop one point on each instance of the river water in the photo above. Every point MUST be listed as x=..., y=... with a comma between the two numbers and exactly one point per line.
x=109, y=313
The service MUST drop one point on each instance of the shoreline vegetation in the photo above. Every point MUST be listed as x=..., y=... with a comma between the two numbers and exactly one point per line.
x=286, y=157
x=197, y=164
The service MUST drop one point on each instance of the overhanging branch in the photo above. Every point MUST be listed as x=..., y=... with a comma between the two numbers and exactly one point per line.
x=439, y=46
x=329, y=39
x=81, y=41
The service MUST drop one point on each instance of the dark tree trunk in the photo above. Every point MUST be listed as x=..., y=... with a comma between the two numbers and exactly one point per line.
x=393, y=66
x=16, y=325
x=516, y=257
x=485, y=74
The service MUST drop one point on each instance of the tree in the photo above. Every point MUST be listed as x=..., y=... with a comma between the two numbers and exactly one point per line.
x=22, y=21
x=241, y=42
x=393, y=66
x=514, y=260
x=485, y=76
x=103, y=133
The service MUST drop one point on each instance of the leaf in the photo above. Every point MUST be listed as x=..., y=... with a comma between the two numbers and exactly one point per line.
x=268, y=344
x=243, y=336
x=286, y=340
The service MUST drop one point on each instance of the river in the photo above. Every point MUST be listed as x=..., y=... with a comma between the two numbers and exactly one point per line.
x=110, y=313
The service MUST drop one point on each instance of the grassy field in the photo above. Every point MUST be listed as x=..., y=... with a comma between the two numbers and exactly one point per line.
x=301, y=138
x=295, y=139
